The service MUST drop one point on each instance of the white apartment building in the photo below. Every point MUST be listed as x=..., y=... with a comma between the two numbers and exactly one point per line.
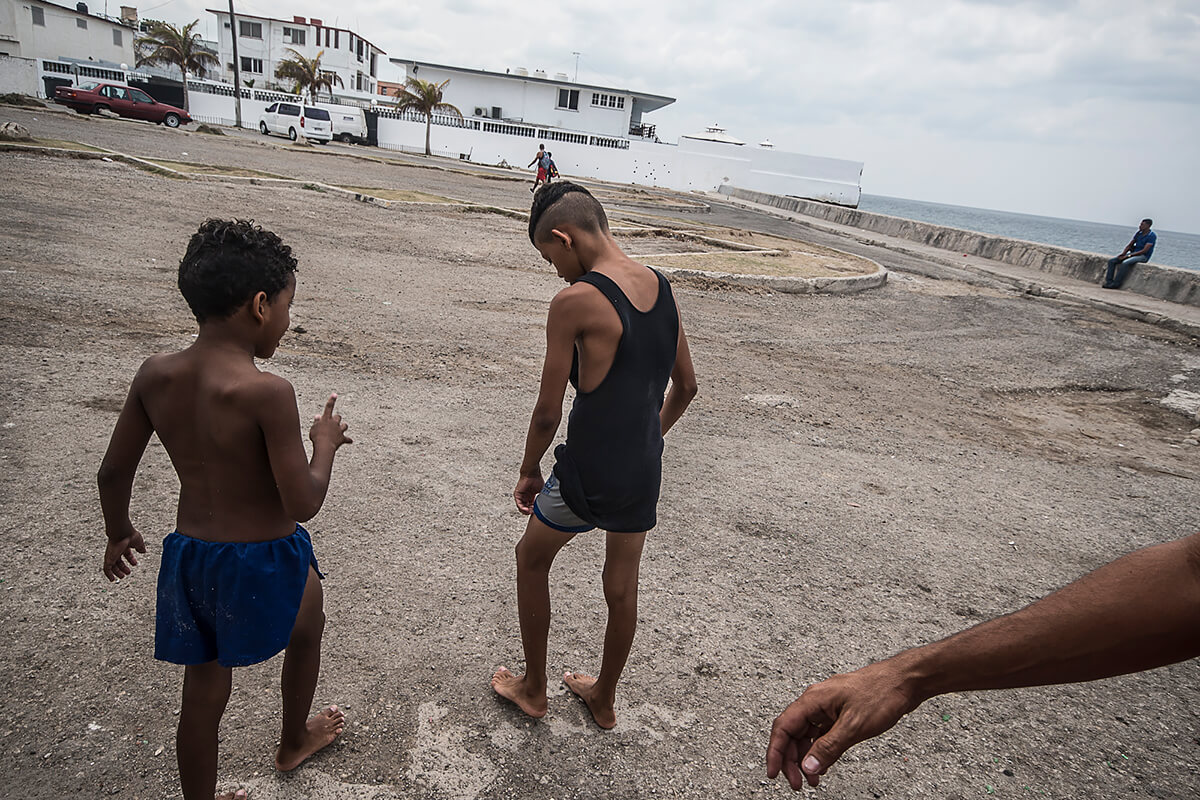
x=34, y=29
x=263, y=42
x=539, y=99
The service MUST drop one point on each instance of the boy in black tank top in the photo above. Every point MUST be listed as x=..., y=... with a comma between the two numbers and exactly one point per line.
x=615, y=334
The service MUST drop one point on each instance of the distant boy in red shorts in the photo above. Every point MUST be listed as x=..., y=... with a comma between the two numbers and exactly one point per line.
x=540, y=160
x=238, y=580
x=616, y=335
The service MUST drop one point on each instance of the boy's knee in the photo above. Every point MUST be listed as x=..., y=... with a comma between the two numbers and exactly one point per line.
x=531, y=558
x=619, y=592
x=308, y=629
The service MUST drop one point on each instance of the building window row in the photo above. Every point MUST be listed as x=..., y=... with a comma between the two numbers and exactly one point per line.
x=568, y=99
x=607, y=100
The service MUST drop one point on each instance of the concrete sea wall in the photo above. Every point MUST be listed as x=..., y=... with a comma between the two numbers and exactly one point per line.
x=1153, y=280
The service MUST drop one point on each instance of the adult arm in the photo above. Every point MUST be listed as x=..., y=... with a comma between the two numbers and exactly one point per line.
x=563, y=326
x=1138, y=612
x=115, y=479
x=303, y=483
x=1145, y=248
x=683, y=384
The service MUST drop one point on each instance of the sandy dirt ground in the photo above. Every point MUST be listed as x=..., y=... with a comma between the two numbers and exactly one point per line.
x=859, y=473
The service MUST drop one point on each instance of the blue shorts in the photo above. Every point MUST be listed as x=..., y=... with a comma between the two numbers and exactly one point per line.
x=232, y=602
x=551, y=509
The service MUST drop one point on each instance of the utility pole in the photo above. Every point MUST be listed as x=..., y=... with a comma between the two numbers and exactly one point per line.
x=576, y=65
x=237, y=72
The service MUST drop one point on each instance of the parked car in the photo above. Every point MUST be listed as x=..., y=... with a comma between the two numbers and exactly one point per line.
x=349, y=124
x=125, y=101
x=294, y=120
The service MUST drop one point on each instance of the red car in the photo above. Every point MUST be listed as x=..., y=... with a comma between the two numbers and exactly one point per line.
x=124, y=101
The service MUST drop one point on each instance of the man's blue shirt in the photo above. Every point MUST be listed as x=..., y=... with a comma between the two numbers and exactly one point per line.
x=1140, y=240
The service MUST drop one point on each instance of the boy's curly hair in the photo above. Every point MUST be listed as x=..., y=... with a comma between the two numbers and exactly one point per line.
x=228, y=262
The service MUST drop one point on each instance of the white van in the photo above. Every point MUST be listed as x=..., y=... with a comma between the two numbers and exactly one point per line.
x=294, y=120
x=349, y=123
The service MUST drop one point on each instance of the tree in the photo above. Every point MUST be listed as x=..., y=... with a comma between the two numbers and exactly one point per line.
x=306, y=73
x=426, y=98
x=166, y=45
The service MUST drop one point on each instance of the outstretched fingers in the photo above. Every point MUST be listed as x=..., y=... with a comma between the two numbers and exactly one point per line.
x=329, y=405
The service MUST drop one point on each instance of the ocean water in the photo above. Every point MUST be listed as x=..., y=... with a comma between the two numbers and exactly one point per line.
x=1176, y=249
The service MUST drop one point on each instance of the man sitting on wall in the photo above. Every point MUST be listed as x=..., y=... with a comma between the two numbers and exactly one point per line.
x=1138, y=251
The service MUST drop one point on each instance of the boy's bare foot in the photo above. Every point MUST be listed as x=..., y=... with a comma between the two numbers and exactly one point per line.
x=512, y=687
x=320, y=731
x=240, y=794
x=582, y=685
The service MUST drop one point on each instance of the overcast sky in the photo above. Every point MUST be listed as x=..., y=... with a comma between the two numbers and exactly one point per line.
x=1087, y=110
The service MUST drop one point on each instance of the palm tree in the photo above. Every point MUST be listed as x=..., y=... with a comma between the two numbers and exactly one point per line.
x=426, y=98
x=306, y=73
x=166, y=45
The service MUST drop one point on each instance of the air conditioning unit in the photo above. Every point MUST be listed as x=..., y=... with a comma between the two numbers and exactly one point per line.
x=481, y=111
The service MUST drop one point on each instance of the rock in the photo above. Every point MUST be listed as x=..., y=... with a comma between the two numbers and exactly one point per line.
x=202, y=128
x=104, y=112
x=14, y=132
x=1195, y=434
x=1192, y=442
x=302, y=142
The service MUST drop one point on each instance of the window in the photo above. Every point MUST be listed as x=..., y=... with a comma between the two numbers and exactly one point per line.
x=271, y=108
x=250, y=30
x=80, y=22
x=607, y=100
x=293, y=35
x=39, y=15
x=360, y=50
x=139, y=96
x=114, y=92
x=117, y=37
x=252, y=65
x=568, y=99
x=337, y=39
x=373, y=55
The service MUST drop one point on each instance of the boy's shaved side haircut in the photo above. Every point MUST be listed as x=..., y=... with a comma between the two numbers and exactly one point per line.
x=563, y=202
x=228, y=262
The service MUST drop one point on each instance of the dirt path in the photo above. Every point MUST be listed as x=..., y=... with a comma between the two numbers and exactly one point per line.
x=858, y=474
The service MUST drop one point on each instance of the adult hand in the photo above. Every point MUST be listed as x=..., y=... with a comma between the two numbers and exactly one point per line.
x=833, y=716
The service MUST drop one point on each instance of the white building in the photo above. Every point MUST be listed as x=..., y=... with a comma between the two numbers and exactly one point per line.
x=263, y=42
x=34, y=29
x=540, y=100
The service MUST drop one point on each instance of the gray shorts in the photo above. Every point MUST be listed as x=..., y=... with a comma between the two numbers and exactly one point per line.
x=551, y=509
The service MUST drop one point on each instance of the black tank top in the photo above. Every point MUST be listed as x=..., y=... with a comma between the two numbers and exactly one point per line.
x=610, y=467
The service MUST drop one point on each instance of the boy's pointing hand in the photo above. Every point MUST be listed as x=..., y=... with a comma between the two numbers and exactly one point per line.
x=328, y=427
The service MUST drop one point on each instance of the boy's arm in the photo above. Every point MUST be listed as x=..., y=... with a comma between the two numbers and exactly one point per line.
x=1137, y=613
x=115, y=480
x=302, y=483
x=562, y=328
x=683, y=384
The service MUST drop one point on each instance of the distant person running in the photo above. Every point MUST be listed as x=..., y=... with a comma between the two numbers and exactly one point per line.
x=551, y=167
x=238, y=581
x=616, y=334
x=540, y=160
x=1138, y=251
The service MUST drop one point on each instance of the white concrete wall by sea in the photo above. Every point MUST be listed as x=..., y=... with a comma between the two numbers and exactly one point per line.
x=532, y=102
x=693, y=165
x=19, y=76
x=44, y=30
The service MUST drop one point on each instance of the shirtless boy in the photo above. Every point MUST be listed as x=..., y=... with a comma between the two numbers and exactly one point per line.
x=616, y=335
x=238, y=580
